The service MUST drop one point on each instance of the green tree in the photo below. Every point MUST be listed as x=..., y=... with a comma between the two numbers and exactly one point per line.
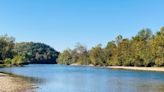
x=158, y=48
x=36, y=52
x=65, y=57
x=124, y=53
x=18, y=60
x=97, y=56
x=8, y=61
x=119, y=39
x=110, y=53
x=6, y=46
x=141, y=48
x=82, y=54
x=145, y=34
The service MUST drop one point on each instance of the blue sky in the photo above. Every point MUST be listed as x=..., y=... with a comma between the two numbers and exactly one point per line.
x=63, y=23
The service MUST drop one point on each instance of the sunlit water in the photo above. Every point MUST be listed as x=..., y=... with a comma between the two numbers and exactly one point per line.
x=59, y=78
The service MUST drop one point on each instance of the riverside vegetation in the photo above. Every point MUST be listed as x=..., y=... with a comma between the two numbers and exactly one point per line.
x=143, y=50
x=12, y=53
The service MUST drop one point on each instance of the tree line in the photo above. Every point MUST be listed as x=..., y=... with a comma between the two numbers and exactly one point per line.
x=12, y=53
x=144, y=49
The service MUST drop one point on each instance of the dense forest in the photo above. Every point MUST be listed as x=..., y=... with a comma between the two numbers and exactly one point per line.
x=36, y=52
x=145, y=49
x=12, y=53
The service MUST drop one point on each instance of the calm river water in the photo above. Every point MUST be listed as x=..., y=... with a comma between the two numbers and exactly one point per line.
x=60, y=78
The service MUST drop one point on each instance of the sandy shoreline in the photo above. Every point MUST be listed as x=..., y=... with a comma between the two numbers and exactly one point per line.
x=157, y=69
x=14, y=84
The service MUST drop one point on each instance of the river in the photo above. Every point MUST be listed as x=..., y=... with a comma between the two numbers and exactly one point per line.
x=61, y=78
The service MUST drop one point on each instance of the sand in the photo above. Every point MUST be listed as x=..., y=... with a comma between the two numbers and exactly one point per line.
x=14, y=84
x=158, y=69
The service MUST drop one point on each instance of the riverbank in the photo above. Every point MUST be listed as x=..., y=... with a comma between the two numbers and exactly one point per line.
x=10, y=83
x=157, y=69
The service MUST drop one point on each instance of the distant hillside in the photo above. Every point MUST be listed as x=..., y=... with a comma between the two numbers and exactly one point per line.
x=36, y=53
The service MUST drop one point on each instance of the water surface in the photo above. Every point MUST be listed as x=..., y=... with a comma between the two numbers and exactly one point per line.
x=60, y=78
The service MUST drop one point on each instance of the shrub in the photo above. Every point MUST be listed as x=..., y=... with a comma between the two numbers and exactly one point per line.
x=8, y=61
x=18, y=60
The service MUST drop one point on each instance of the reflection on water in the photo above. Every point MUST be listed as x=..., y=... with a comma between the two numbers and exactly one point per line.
x=57, y=78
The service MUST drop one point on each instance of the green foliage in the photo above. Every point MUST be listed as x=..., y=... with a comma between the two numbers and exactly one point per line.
x=65, y=57
x=97, y=56
x=6, y=47
x=18, y=60
x=79, y=55
x=124, y=53
x=111, y=53
x=144, y=49
x=8, y=61
x=145, y=34
x=26, y=52
x=36, y=52
x=158, y=48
